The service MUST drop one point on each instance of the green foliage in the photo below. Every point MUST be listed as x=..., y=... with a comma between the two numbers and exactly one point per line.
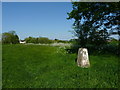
x=113, y=41
x=111, y=48
x=36, y=66
x=10, y=38
x=61, y=41
x=73, y=41
x=42, y=40
x=92, y=21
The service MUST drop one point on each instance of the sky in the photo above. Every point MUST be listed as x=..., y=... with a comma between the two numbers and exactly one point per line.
x=60, y=0
x=38, y=19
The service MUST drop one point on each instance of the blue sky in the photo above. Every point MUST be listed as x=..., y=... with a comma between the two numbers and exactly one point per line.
x=46, y=19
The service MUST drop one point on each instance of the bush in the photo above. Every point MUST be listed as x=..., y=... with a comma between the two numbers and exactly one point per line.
x=10, y=38
x=61, y=41
x=103, y=49
x=42, y=40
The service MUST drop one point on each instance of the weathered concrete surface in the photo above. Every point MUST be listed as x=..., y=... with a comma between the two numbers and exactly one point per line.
x=83, y=59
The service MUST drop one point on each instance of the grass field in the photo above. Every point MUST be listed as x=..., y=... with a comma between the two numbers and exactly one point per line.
x=36, y=66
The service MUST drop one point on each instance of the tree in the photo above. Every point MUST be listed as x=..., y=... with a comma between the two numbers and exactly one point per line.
x=38, y=40
x=44, y=40
x=28, y=40
x=93, y=20
x=10, y=38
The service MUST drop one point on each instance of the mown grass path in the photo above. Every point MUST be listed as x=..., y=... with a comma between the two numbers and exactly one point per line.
x=35, y=66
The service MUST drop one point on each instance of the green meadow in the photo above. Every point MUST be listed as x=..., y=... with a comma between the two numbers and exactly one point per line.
x=38, y=66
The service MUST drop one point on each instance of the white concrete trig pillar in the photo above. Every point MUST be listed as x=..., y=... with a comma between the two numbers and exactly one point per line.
x=83, y=59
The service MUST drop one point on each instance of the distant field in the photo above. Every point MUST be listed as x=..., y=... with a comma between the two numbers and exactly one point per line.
x=36, y=66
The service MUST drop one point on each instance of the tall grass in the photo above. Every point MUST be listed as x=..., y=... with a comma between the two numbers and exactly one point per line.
x=36, y=66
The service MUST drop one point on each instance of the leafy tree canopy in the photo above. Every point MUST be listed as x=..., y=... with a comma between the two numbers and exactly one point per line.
x=10, y=38
x=93, y=20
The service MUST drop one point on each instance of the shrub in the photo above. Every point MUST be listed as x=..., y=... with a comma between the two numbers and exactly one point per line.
x=42, y=40
x=103, y=49
x=10, y=38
